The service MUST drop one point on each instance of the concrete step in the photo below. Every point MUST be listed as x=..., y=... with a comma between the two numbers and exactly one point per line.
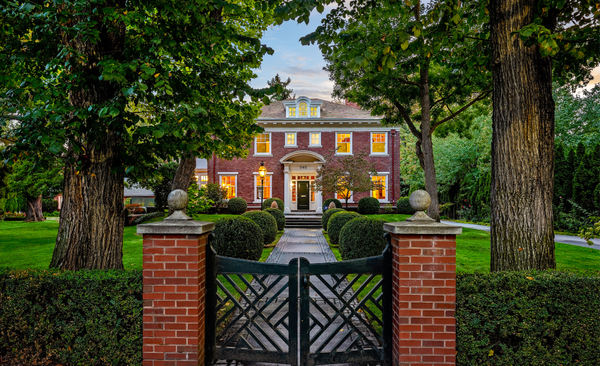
x=303, y=222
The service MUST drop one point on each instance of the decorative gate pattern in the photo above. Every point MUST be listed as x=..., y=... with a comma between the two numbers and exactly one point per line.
x=300, y=313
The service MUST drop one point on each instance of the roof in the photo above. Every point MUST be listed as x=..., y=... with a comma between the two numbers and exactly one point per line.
x=137, y=192
x=276, y=110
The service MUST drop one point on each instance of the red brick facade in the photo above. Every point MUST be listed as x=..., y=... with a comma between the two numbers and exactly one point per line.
x=174, y=299
x=361, y=140
x=424, y=299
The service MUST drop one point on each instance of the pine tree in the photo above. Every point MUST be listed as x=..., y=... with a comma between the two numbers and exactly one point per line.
x=584, y=183
x=580, y=153
x=561, y=173
x=285, y=93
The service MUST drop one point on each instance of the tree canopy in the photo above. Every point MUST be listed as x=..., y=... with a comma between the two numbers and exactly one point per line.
x=283, y=92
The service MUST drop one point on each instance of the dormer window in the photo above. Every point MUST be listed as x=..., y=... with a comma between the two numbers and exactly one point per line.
x=303, y=108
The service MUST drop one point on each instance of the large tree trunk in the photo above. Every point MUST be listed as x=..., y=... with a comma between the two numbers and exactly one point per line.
x=522, y=235
x=183, y=175
x=90, y=234
x=34, y=209
x=425, y=146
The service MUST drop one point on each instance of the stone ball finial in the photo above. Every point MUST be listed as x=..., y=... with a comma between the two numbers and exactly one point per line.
x=178, y=200
x=331, y=205
x=274, y=205
x=420, y=200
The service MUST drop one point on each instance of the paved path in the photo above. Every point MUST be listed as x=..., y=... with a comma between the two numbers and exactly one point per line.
x=312, y=245
x=565, y=239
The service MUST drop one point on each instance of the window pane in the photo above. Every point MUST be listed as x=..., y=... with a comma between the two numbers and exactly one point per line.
x=379, y=187
x=343, y=143
x=302, y=112
x=293, y=191
x=291, y=139
x=263, y=144
x=315, y=139
x=228, y=182
x=342, y=195
x=292, y=111
x=378, y=142
x=313, y=111
x=267, y=187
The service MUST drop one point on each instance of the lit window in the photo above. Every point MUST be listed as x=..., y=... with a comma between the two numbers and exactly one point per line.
x=266, y=188
x=379, y=187
x=263, y=143
x=290, y=139
x=313, y=111
x=302, y=112
x=342, y=195
x=293, y=191
x=228, y=183
x=343, y=145
x=292, y=111
x=378, y=143
x=315, y=138
x=203, y=180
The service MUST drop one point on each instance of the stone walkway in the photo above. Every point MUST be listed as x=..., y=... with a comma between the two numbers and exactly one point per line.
x=312, y=245
x=564, y=239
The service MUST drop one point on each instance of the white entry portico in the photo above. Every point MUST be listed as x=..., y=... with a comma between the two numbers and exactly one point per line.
x=300, y=170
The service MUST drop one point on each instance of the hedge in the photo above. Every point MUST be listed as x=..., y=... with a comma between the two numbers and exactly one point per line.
x=278, y=216
x=268, y=201
x=49, y=205
x=267, y=224
x=528, y=318
x=403, y=206
x=71, y=317
x=238, y=237
x=362, y=237
x=147, y=217
x=337, y=222
x=368, y=206
x=337, y=202
x=237, y=206
x=327, y=215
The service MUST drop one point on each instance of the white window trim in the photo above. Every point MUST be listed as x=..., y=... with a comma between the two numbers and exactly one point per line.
x=351, y=142
x=343, y=201
x=386, y=144
x=387, y=183
x=287, y=112
x=270, y=146
x=295, y=139
x=221, y=174
x=310, y=139
x=256, y=198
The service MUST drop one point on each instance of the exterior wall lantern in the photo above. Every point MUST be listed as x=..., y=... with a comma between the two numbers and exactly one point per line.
x=261, y=171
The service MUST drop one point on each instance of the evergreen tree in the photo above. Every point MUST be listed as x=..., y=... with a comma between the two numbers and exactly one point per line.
x=580, y=152
x=282, y=91
x=561, y=173
x=584, y=183
x=567, y=189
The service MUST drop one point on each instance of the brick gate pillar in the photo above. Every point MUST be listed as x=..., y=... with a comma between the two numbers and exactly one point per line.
x=174, y=287
x=423, y=288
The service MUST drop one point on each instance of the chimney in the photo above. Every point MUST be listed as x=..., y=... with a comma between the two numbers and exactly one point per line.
x=351, y=104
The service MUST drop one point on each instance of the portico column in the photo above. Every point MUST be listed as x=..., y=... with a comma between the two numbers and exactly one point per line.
x=319, y=196
x=286, y=189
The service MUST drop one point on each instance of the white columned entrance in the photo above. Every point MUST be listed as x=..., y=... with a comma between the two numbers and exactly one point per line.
x=287, y=199
x=318, y=195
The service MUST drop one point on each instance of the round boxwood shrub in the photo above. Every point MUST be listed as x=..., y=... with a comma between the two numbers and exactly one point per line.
x=337, y=222
x=237, y=206
x=338, y=204
x=403, y=206
x=362, y=237
x=238, y=237
x=268, y=201
x=278, y=216
x=327, y=215
x=368, y=206
x=266, y=222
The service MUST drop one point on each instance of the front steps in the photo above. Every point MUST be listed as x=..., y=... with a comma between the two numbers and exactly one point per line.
x=303, y=220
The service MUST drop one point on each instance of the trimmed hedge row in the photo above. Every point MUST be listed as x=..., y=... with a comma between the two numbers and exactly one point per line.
x=71, y=318
x=278, y=216
x=237, y=206
x=327, y=215
x=519, y=318
x=368, y=206
x=267, y=203
x=362, y=237
x=238, y=237
x=267, y=224
x=95, y=318
x=337, y=202
x=337, y=222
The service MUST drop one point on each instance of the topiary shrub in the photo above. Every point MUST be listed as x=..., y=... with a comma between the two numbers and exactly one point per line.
x=237, y=206
x=278, y=216
x=49, y=205
x=403, y=206
x=337, y=202
x=327, y=215
x=368, y=206
x=266, y=222
x=238, y=237
x=268, y=201
x=337, y=222
x=362, y=237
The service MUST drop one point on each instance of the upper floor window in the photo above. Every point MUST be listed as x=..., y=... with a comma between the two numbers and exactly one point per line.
x=263, y=144
x=292, y=111
x=343, y=143
x=315, y=139
x=313, y=111
x=290, y=139
x=302, y=112
x=378, y=143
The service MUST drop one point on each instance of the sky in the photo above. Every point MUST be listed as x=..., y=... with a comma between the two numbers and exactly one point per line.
x=304, y=64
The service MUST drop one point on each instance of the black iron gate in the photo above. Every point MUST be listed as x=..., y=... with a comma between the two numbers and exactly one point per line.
x=299, y=313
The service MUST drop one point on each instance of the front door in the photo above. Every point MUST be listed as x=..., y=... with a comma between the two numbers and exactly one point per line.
x=303, y=197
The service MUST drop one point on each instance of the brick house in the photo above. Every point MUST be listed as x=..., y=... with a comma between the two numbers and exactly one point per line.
x=297, y=135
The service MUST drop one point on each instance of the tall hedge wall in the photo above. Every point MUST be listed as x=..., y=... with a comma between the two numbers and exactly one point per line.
x=517, y=318
x=71, y=318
